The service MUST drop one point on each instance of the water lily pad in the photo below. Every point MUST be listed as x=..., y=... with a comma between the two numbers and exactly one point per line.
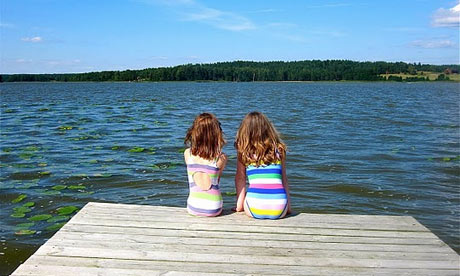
x=67, y=210
x=43, y=109
x=22, y=209
x=48, y=192
x=19, y=198
x=136, y=149
x=446, y=159
x=24, y=226
x=31, y=148
x=25, y=232
x=44, y=173
x=42, y=164
x=29, y=204
x=94, y=161
x=7, y=149
x=55, y=226
x=58, y=218
x=40, y=217
x=76, y=187
x=115, y=147
x=65, y=127
x=26, y=155
x=59, y=187
x=17, y=215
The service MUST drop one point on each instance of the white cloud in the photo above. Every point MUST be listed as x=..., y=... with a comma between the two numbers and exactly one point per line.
x=34, y=39
x=220, y=19
x=433, y=44
x=6, y=25
x=446, y=18
x=190, y=10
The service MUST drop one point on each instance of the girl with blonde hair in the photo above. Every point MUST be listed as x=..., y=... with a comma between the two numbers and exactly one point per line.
x=261, y=158
x=205, y=163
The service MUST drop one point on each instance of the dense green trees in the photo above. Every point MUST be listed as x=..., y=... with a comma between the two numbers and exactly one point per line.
x=244, y=71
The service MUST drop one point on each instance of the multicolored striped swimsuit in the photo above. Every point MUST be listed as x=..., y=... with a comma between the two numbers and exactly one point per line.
x=200, y=202
x=266, y=197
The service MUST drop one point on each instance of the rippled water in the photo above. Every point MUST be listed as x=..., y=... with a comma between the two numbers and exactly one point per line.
x=355, y=148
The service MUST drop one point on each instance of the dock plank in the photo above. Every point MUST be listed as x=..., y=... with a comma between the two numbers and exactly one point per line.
x=123, y=239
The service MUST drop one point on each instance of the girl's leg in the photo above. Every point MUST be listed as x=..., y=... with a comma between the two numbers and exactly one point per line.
x=246, y=208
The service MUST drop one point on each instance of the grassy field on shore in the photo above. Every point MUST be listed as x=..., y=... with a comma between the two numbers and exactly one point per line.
x=430, y=75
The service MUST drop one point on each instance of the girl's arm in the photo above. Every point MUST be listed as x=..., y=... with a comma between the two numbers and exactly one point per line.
x=286, y=184
x=240, y=185
x=221, y=163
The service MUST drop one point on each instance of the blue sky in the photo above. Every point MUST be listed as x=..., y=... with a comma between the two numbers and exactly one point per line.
x=54, y=36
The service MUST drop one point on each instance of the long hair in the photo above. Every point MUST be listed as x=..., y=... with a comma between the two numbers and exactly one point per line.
x=257, y=141
x=205, y=137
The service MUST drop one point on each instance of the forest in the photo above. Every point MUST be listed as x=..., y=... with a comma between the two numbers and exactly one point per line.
x=247, y=71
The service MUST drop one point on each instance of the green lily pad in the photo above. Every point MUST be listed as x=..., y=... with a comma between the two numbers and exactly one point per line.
x=59, y=187
x=26, y=155
x=23, y=226
x=17, y=215
x=94, y=161
x=181, y=150
x=42, y=164
x=446, y=159
x=65, y=127
x=55, y=226
x=115, y=147
x=44, y=173
x=51, y=192
x=136, y=149
x=25, y=232
x=19, y=198
x=67, y=210
x=7, y=149
x=31, y=148
x=76, y=187
x=22, y=209
x=43, y=109
x=40, y=217
x=58, y=218
x=29, y=204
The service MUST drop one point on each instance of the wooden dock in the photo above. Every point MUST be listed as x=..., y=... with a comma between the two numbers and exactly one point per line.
x=120, y=239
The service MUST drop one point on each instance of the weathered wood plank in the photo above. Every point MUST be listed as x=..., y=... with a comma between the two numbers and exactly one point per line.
x=140, y=236
x=241, y=259
x=111, y=239
x=238, y=220
x=297, y=219
x=129, y=244
x=101, y=221
x=229, y=268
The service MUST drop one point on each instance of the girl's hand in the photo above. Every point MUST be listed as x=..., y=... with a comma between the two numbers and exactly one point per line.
x=237, y=210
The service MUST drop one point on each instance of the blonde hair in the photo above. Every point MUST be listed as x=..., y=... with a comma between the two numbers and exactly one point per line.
x=257, y=141
x=205, y=137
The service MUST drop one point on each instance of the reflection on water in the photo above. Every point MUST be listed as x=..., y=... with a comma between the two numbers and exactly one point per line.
x=357, y=148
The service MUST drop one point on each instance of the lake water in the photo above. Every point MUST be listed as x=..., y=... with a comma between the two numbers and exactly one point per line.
x=354, y=148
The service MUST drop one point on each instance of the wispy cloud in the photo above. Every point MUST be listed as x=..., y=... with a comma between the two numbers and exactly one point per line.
x=404, y=29
x=265, y=11
x=220, y=19
x=433, y=44
x=332, y=5
x=6, y=25
x=34, y=39
x=447, y=17
x=190, y=10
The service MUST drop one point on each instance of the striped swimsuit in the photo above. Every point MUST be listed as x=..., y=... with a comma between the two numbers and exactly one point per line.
x=266, y=197
x=200, y=202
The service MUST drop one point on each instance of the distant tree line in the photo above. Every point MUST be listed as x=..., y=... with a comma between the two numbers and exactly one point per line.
x=246, y=71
